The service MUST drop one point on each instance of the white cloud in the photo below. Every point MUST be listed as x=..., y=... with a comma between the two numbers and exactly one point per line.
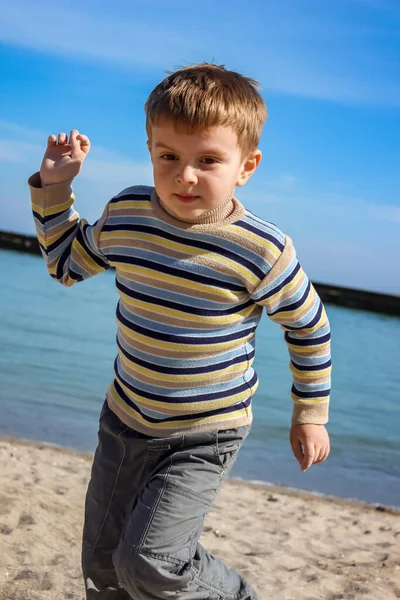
x=15, y=151
x=287, y=191
x=76, y=33
x=117, y=170
x=101, y=167
x=310, y=53
x=28, y=133
x=284, y=182
x=342, y=206
x=386, y=213
x=110, y=169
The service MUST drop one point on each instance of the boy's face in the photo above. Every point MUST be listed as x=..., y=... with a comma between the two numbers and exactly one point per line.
x=196, y=172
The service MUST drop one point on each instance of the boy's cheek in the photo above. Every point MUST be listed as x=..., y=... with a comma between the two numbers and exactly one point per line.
x=161, y=170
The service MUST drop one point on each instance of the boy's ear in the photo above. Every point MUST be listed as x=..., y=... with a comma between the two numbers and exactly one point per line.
x=149, y=148
x=248, y=167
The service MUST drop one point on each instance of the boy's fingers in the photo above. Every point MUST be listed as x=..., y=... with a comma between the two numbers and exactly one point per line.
x=73, y=142
x=51, y=140
x=298, y=451
x=309, y=455
x=62, y=138
x=85, y=142
x=326, y=453
x=321, y=456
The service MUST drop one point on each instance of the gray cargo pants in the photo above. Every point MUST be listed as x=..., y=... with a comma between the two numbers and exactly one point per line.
x=145, y=507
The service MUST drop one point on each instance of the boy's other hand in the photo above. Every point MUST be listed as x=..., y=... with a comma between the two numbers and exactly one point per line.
x=310, y=444
x=63, y=158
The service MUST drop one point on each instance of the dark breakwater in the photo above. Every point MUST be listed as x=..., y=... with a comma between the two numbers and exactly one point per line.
x=18, y=241
x=330, y=294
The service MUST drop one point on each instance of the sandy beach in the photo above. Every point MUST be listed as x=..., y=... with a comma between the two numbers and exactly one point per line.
x=290, y=545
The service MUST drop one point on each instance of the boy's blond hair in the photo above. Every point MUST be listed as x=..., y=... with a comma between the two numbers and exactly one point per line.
x=207, y=95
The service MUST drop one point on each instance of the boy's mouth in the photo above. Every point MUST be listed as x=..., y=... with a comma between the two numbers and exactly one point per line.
x=186, y=199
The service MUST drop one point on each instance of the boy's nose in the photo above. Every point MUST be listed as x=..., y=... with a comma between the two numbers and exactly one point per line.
x=186, y=175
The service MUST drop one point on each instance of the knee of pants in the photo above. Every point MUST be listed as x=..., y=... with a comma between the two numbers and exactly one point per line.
x=150, y=576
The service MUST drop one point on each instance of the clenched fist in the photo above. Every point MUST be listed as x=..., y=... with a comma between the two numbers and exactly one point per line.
x=63, y=158
x=310, y=444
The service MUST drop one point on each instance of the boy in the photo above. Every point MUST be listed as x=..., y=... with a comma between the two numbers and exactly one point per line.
x=194, y=270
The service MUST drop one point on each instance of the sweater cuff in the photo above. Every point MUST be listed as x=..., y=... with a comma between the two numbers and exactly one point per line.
x=52, y=194
x=316, y=414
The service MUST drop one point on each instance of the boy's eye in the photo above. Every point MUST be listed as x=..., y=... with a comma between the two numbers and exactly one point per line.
x=208, y=160
x=169, y=157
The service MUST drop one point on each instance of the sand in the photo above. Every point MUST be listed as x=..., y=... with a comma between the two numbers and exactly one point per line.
x=291, y=545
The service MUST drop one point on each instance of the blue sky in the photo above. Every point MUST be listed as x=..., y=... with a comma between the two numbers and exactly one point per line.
x=330, y=75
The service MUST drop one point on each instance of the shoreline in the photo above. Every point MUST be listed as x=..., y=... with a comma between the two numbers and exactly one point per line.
x=373, y=301
x=240, y=481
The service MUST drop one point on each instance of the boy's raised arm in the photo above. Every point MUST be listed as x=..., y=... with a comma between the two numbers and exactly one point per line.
x=70, y=246
x=291, y=300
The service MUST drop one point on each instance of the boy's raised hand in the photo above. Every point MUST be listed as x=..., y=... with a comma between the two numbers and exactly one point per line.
x=63, y=157
x=310, y=444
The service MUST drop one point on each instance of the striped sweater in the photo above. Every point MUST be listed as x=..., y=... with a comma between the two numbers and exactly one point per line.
x=190, y=298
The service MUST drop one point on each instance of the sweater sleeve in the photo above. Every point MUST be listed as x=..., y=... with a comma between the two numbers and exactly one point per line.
x=291, y=300
x=70, y=246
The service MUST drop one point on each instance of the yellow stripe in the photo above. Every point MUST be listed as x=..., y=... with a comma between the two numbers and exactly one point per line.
x=52, y=267
x=119, y=204
x=311, y=401
x=286, y=289
x=184, y=424
x=310, y=349
x=46, y=211
x=211, y=256
x=232, y=369
x=257, y=239
x=51, y=239
x=310, y=374
x=302, y=333
x=182, y=407
x=153, y=239
x=200, y=348
x=180, y=282
x=303, y=309
x=179, y=314
x=41, y=237
x=86, y=258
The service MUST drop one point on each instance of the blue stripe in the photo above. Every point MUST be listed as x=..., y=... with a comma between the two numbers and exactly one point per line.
x=154, y=329
x=171, y=418
x=67, y=233
x=184, y=308
x=323, y=393
x=201, y=245
x=310, y=388
x=310, y=367
x=164, y=394
x=138, y=196
x=190, y=370
x=191, y=296
x=173, y=361
x=302, y=324
x=306, y=341
x=267, y=236
x=293, y=305
x=280, y=283
x=176, y=272
x=226, y=388
x=49, y=218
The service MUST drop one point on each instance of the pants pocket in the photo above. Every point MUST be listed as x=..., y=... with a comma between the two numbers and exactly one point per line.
x=228, y=444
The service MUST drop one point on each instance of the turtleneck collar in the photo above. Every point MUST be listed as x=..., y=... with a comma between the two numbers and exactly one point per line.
x=212, y=216
x=229, y=211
